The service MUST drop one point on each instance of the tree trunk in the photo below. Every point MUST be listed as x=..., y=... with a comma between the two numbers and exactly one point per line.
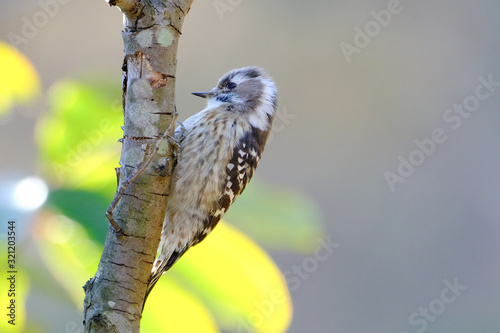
x=114, y=296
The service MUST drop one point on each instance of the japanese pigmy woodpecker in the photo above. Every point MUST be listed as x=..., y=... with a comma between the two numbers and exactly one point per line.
x=219, y=149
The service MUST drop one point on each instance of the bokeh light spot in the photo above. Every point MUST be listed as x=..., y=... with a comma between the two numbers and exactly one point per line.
x=30, y=193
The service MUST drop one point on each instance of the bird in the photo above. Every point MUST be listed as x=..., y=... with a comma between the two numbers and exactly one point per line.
x=218, y=151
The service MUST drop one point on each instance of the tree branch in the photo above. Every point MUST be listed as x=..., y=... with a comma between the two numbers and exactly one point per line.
x=114, y=296
x=130, y=8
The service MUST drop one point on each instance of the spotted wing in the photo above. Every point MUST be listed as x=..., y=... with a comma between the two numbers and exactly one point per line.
x=240, y=169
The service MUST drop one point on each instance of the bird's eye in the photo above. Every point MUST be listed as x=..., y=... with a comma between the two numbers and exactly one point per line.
x=231, y=85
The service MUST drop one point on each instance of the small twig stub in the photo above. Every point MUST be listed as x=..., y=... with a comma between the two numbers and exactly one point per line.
x=138, y=170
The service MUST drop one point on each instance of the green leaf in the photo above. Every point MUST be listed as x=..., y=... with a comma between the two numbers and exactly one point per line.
x=87, y=207
x=78, y=150
x=277, y=218
x=77, y=139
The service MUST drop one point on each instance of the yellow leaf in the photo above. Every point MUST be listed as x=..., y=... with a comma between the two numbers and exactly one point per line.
x=239, y=282
x=226, y=281
x=171, y=308
x=20, y=82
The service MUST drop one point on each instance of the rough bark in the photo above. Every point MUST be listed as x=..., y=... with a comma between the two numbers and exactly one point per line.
x=115, y=295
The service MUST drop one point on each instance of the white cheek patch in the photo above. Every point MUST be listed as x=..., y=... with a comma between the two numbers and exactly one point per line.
x=260, y=118
x=214, y=104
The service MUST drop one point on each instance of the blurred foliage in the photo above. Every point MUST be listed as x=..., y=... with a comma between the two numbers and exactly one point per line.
x=278, y=218
x=89, y=211
x=185, y=311
x=218, y=293
x=20, y=82
x=62, y=240
x=238, y=280
x=225, y=283
x=77, y=139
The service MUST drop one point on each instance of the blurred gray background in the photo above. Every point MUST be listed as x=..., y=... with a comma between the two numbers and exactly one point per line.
x=352, y=118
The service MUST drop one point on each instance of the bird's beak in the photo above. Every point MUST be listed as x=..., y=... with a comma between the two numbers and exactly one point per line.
x=202, y=94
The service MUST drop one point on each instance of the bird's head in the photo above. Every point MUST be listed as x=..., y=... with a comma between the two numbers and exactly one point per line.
x=247, y=90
